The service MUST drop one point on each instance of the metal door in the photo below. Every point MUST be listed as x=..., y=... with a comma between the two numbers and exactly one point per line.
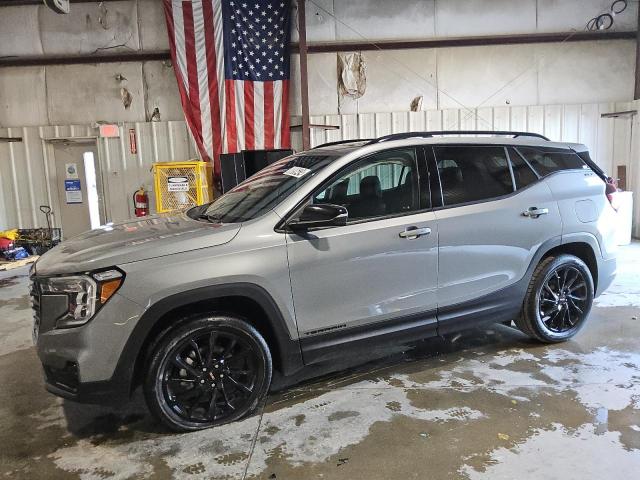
x=78, y=193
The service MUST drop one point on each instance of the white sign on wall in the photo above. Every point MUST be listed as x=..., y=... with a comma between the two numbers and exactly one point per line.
x=177, y=184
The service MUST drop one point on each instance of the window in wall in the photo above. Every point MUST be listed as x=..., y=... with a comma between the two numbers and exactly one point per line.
x=383, y=184
x=522, y=172
x=546, y=160
x=472, y=173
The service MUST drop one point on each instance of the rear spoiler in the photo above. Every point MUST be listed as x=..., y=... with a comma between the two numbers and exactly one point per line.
x=586, y=158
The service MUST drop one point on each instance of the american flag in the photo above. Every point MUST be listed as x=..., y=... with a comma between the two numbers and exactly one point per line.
x=231, y=59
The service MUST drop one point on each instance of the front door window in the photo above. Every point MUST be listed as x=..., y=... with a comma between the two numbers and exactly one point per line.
x=383, y=184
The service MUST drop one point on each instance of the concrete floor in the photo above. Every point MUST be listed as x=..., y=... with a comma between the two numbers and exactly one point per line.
x=488, y=404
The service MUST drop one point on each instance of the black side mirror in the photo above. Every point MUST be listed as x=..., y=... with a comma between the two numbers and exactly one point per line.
x=322, y=215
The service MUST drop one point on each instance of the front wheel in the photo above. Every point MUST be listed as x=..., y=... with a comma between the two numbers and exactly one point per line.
x=210, y=371
x=558, y=300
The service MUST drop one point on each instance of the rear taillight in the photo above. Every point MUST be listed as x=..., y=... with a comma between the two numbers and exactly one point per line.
x=610, y=190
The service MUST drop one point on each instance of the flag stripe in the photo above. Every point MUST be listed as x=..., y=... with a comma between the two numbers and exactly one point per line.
x=218, y=45
x=212, y=78
x=258, y=114
x=203, y=80
x=277, y=112
x=192, y=69
x=268, y=115
x=285, y=137
x=239, y=116
x=232, y=145
x=249, y=138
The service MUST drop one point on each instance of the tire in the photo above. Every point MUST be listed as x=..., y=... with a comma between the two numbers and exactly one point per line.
x=558, y=300
x=188, y=389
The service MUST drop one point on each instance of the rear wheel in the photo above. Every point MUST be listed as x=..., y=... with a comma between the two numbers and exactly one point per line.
x=558, y=300
x=210, y=371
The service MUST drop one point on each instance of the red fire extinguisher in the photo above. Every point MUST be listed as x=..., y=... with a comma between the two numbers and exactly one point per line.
x=141, y=203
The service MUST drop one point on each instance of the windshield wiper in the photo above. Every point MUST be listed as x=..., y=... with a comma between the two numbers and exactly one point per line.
x=210, y=218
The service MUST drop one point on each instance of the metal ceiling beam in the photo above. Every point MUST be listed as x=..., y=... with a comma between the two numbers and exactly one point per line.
x=327, y=47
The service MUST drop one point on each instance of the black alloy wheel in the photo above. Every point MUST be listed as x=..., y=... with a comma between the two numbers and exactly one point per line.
x=562, y=300
x=209, y=372
x=558, y=299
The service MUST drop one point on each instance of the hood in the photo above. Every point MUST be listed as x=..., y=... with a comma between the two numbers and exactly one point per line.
x=133, y=240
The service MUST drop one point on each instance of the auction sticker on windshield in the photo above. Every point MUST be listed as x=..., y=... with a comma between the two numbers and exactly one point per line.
x=297, y=172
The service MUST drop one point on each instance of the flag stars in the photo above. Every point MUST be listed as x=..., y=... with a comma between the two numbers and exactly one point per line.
x=256, y=39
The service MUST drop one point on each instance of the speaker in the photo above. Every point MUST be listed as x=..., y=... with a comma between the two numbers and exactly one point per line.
x=236, y=167
x=232, y=170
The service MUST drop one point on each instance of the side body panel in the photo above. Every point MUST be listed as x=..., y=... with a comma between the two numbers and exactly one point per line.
x=363, y=273
x=584, y=207
x=487, y=246
x=587, y=217
x=257, y=255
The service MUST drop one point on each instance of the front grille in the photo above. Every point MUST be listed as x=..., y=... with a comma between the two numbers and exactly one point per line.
x=34, y=293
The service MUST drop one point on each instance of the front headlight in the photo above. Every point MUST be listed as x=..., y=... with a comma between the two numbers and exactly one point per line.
x=85, y=294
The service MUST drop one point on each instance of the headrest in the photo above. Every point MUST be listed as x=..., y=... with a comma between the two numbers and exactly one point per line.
x=370, y=187
x=340, y=190
x=450, y=176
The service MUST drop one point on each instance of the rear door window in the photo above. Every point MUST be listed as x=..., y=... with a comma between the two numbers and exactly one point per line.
x=472, y=173
x=547, y=160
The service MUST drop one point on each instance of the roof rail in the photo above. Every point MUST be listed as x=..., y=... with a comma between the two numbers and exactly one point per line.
x=401, y=136
x=340, y=142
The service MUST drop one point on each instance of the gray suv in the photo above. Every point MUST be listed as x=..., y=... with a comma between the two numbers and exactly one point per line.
x=357, y=245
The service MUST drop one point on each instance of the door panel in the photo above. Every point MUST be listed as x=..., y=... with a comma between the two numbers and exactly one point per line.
x=363, y=273
x=487, y=246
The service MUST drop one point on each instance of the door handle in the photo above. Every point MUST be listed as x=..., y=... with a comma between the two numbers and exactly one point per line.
x=535, y=212
x=412, y=233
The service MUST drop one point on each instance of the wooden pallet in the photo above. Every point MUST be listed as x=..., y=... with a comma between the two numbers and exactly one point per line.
x=17, y=263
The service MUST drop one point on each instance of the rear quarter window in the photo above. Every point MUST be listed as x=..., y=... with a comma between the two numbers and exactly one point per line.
x=546, y=160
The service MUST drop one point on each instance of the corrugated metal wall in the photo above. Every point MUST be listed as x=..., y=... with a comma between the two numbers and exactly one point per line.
x=25, y=180
x=607, y=139
x=26, y=168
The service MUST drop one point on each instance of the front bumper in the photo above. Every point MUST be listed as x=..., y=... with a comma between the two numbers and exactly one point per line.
x=82, y=363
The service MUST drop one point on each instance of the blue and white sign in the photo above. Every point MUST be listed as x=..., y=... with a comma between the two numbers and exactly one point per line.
x=73, y=191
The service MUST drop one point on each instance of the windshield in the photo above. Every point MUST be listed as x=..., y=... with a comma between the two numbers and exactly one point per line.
x=266, y=189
